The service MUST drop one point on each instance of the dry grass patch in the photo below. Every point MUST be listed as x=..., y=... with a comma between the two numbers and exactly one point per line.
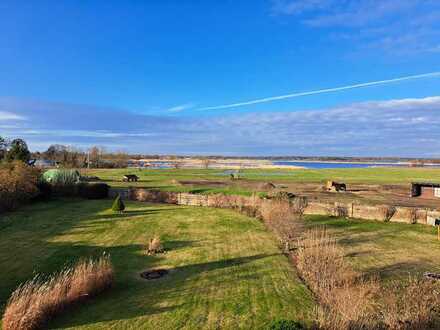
x=412, y=305
x=349, y=300
x=35, y=302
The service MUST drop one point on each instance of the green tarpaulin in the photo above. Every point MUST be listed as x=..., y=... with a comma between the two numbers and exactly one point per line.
x=61, y=176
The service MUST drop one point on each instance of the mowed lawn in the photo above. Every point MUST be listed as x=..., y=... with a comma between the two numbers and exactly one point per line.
x=225, y=269
x=390, y=250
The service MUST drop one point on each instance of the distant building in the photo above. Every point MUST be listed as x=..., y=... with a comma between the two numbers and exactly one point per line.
x=425, y=190
x=44, y=163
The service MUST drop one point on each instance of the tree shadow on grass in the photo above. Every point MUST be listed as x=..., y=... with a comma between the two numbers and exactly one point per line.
x=124, y=301
x=130, y=213
x=173, y=245
x=131, y=296
x=402, y=269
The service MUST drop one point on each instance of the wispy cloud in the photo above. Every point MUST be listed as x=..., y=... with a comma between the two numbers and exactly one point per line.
x=373, y=128
x=5, y=115
x=181, y=107
x=321, y=91
x=395, y=27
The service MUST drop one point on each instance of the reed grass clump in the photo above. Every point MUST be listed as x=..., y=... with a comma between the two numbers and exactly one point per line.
x=35, y=302
x=155, y=246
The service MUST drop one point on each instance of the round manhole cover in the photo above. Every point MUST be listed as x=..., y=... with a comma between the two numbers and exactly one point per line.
x=154, y=274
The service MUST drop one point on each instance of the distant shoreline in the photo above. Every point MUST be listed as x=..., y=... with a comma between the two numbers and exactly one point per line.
x=345, y=162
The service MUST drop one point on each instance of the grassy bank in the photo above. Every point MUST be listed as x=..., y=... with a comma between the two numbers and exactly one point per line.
x=225, y=269
x=214, y=180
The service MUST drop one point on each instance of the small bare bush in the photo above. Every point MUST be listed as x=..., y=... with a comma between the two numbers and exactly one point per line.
x=153, y=196
x=299, y=205
x=279, y=216
x=387, y=212
x=37, y=301
x=222, y=201
x=155, y=246
x=412, y=214
x=341, y=211
x=251, y=206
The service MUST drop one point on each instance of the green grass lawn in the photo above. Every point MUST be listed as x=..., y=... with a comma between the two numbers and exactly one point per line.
x=391, y=250
x=167, y=179
x=225, y=269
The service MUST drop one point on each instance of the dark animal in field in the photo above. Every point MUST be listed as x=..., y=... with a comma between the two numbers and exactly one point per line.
x=335, y=186
x=130, y=177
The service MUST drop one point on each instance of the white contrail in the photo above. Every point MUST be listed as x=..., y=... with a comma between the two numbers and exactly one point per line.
x=321, y=91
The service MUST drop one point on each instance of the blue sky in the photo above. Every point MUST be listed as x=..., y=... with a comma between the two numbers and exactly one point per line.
x=139, y=75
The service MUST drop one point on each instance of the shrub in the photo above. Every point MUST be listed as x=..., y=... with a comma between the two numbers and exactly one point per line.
x=321, y=261
x=283, y=195
x=279, y=216
x=299, y=205
x=44, y=191
x=154, y=196
x=346, y=299
x=18, y=184
x=118, y=204
x=341, y=211
x=286, y=325
x=93, y=190
x=36, y=302
x=337, y=210
x=18, y=150
x=412, y=214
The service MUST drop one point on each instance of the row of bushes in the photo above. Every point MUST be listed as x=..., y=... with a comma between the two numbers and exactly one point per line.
x=81, y=189
x=20, y=183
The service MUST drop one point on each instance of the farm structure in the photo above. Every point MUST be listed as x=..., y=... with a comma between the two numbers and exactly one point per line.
x=425, y=190
x=335, y=186
x=130, y=177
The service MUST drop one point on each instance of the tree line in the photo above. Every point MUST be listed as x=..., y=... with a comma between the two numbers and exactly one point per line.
x=62, y=155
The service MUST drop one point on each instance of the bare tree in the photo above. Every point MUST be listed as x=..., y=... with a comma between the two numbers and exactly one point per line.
x=206, y=162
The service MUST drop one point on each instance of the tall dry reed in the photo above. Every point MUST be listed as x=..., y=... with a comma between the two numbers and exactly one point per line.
x=282, y=217
x=35, y=302
x=346, y=299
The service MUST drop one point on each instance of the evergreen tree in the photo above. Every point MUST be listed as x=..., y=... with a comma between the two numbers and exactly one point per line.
x=118, y=204
x=18, y=150
x=3, y=148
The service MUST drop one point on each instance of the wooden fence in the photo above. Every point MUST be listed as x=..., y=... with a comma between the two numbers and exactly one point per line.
x=349, y=210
